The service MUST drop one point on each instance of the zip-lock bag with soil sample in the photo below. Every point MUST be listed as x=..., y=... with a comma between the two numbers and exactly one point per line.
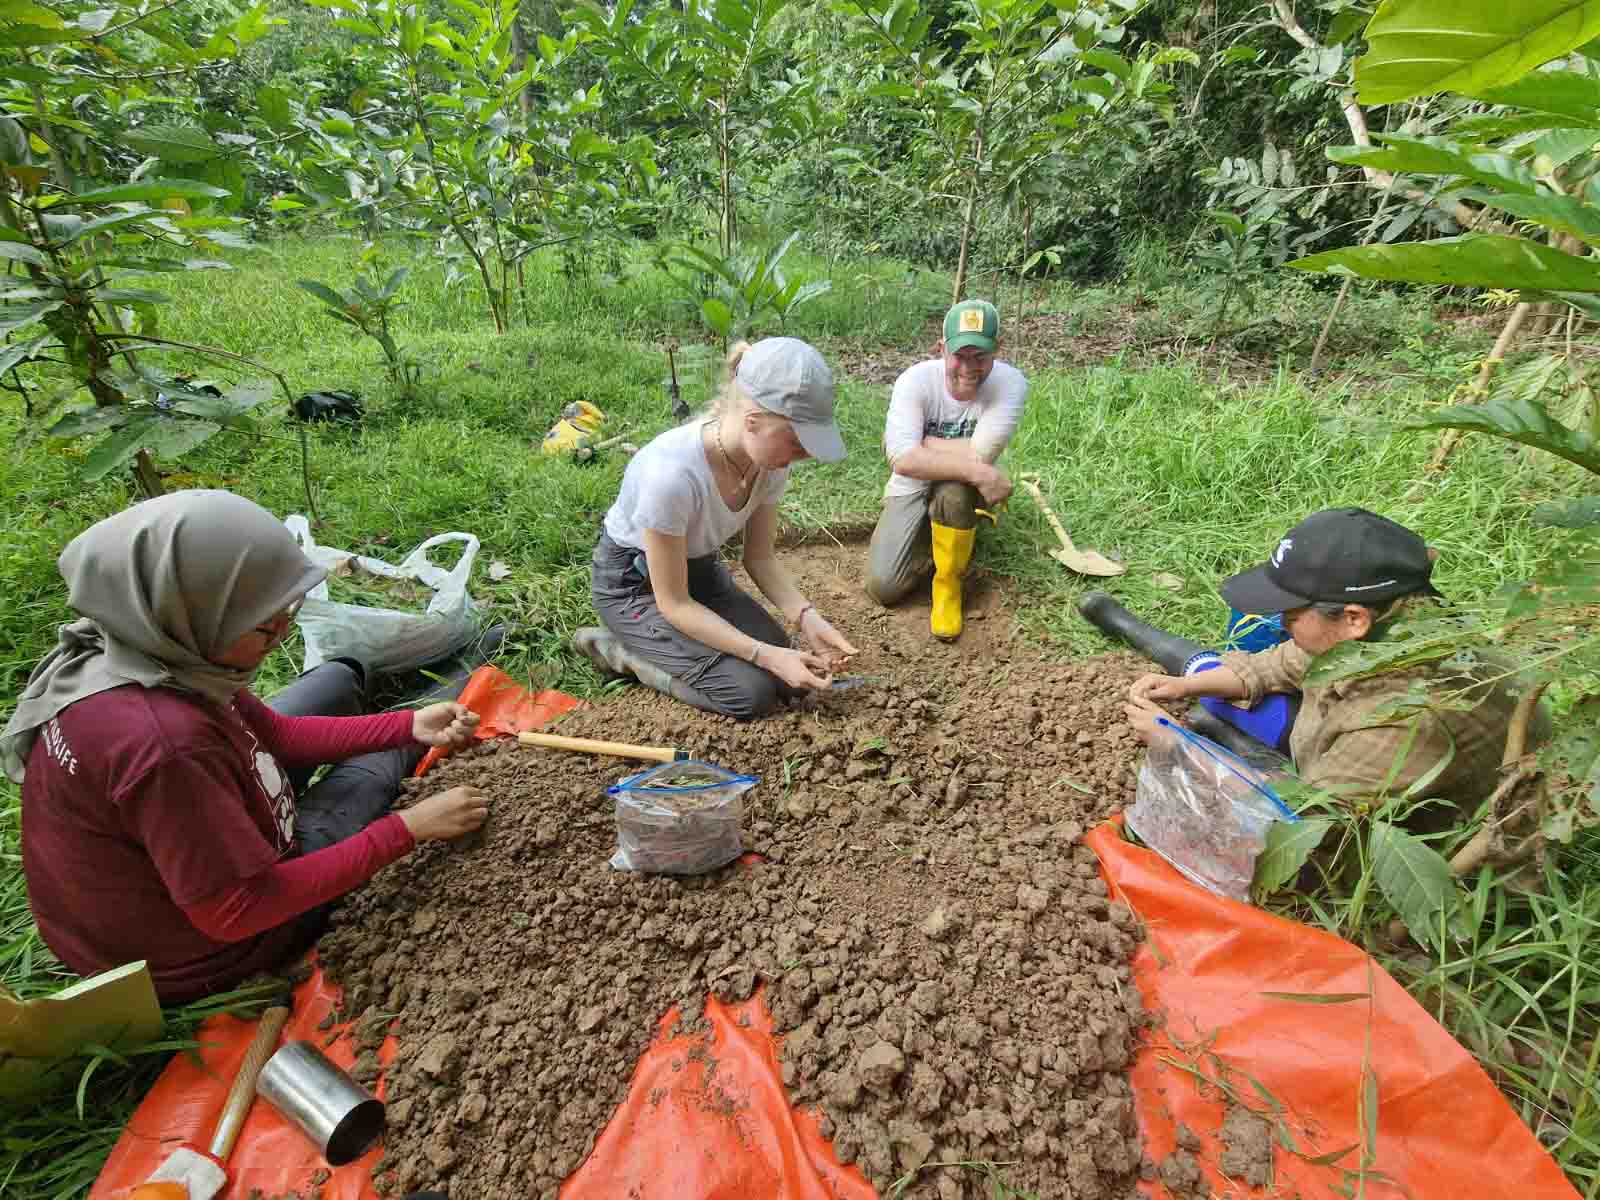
x=681, y=818
x=387, y=639
x=1205, y=810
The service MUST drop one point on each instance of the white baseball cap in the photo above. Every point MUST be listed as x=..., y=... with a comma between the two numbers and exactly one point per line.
x=786, y=376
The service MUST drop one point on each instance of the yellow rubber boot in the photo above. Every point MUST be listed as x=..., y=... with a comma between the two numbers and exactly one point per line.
x=952, y=551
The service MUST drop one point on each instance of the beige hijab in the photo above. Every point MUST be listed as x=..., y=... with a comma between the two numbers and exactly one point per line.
x=161, y=587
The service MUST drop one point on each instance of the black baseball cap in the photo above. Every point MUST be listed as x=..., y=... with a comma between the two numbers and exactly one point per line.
x=1338, y=555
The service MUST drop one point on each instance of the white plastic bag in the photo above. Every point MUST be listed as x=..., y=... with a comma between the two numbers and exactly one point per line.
x=385, y=639
x=681, y=818
x=1205, y=810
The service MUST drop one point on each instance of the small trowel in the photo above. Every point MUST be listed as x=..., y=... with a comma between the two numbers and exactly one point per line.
x=845, y=682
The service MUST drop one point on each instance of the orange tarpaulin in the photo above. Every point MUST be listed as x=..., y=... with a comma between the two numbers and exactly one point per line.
x=1444, y=1131
x=708, y=1119
x=503, y=707
x=183, y=1106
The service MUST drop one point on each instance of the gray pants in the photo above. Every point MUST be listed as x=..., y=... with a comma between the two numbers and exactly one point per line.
x=620, y=586
x=901, y=555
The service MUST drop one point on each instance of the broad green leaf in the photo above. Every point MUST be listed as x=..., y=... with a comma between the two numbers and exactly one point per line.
x=16, y=352
x=129, y=296
x=586, y=144
x=165, y=437
x=22, y=252
x=37, y=35
x=1106, y=60
x=173, y=143
x=228, y=408
x=1438, y=156
x=79, y=422
x=1561, y=146
x=1416, y=879
x=1525, y=421
x=115, y=220
x=1569, y=514
x=13, y=143
x=1474, y=260
x=19, y=316
x=338, y=127
x=1566, y=94
x=1289, y=846
x=324, y=293
x=392, y=284
x=118, y=450
x=148, y=191
x=1345, y=26
x=273, y=105
x=1419, y=47
x=25, y=12
x=717, y=315
x=1566, y=214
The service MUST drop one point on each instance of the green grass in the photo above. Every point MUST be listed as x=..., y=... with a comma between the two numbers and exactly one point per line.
x=1176, y=469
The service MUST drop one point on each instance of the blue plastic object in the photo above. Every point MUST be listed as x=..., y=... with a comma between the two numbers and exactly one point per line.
x=1269, y=721
x=1253, y=632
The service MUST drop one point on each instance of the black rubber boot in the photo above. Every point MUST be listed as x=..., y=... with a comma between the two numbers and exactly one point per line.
x=1168, y=650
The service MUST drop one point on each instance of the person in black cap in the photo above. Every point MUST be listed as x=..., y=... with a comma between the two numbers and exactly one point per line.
x=1346, y=574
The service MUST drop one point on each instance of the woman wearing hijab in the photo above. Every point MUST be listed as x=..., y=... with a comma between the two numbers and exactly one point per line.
x=673, y=617
x=160, y=818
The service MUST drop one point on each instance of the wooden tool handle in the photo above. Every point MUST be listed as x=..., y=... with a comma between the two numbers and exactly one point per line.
x=551, y=741
x=1049, y=515
x=244, y=1083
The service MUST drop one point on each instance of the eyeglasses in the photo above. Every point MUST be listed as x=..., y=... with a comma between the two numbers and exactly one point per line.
x=274, y=624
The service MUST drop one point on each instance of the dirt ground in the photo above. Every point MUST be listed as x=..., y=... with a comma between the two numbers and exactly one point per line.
x=947, y=975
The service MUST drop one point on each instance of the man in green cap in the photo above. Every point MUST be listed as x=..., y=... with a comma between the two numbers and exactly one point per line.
x=949, y=419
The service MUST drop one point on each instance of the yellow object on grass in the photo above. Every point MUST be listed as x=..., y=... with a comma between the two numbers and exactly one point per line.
x=579, y=423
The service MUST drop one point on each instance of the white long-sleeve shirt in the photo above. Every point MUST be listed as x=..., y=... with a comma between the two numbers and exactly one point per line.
x=922, y=406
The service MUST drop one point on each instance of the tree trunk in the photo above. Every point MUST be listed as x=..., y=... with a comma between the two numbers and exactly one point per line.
x=146, y=476
x=969, y=219
x=1327, y=327
x=725, y=230
x=1480, y=387
x=519, y=58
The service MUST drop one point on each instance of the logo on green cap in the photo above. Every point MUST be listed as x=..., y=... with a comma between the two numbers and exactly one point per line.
x=973, y=323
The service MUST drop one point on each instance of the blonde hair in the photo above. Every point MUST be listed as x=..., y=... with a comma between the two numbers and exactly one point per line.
x=730, y=396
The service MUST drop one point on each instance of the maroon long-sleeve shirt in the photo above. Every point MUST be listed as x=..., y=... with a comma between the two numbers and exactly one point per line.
x=159, y=826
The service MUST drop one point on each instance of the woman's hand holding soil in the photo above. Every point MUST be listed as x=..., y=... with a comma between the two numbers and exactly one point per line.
x=824, y=638
x=447, y=815
x=448, y=724
x=1157, y=689
x=797, y=668
x=1144, y=714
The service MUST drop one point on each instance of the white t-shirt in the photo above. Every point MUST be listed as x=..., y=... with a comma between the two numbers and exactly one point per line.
x=669, y=487
x=922, y=406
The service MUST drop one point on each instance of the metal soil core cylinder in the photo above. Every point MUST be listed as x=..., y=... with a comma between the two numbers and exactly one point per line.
x=329, y=1107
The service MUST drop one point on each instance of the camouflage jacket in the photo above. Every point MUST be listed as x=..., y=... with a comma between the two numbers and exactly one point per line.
x=1348, y=741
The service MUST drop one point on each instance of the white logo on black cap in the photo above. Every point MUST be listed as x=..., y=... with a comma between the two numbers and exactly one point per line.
x=1283, y=548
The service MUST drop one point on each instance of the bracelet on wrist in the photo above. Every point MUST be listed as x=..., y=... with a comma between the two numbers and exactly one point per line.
x=755, y=653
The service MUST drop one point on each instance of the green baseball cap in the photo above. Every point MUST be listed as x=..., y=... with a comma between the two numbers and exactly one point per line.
x=972, y=323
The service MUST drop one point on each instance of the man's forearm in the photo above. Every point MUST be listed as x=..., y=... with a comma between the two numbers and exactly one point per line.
x=937, y=459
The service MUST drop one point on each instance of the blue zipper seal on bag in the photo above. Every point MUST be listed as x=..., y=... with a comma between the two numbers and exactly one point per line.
x=678, y=789
x=1233, y=762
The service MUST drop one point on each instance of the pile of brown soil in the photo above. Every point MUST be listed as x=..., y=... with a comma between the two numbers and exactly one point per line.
x=938, y=952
